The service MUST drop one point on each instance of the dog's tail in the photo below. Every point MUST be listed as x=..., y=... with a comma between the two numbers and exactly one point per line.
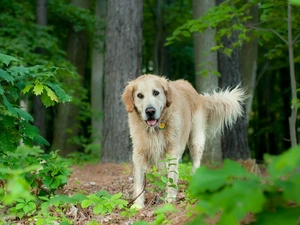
x=224, y=107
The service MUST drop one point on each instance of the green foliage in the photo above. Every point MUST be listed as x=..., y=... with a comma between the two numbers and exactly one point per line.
x=22, y=37
x=158, y=178
x=14, y=79
x=229, y=16
x=223, y=191
x=103, y=202
x=25, y=170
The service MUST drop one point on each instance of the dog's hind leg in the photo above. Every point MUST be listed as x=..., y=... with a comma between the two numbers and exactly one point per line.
x=197, y=141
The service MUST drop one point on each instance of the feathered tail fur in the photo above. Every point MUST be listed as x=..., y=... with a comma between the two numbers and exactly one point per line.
x=224, y=108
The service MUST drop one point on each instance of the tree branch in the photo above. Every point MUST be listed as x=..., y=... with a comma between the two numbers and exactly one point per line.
x=275, y=32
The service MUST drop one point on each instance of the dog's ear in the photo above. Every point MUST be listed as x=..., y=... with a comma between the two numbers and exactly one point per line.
x=127, y=97
x=168, y=92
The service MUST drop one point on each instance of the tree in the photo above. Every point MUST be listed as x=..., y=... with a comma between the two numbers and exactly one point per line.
x=123, y=57
x=206, y=67
x=235, y=139
x=249, y=54
x=39, y=110
x=67, y=118
x=98, y=74
x=290, y=42
x=160, y=51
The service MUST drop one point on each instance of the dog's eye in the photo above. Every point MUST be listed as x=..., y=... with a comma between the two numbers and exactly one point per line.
x=155, y=93
x=139, y=95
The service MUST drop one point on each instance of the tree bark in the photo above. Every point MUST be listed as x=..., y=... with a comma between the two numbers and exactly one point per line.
x=202, y=44
x=67, y=121
x=97, y=77
x=235, y=139
x=39, y=110
x=293, y=117
x=249, y=63
x=160, y=50
x=123, y=57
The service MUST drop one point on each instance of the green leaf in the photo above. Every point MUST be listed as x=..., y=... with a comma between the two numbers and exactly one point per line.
x=46, y=100
x=295, y=2
x=20, y=205
x=284, y=164
x=98, y=209
x=27, y=88
x=51, y=94
x=6, y=59
x=228, y=51
x=215, y=48
x=29, y=130
x=6, y=76
x=186, y=33
x=279, y=217
x=62, y=95
x=116, y=196
x=38, y=89
x=9, y=106
x=24, y=115
x=211, y=180
x=86, y=203
x=266, y=5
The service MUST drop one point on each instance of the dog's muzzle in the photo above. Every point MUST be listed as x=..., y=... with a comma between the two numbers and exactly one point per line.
x=150, y=112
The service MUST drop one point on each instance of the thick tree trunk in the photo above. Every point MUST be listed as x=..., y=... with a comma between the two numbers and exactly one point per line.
x=39, y=110
x=160, y=50
x=202, y=44
x=97, y=77
x=67, y=119
x=249, y=64
x=235, y=139
x=123, y=57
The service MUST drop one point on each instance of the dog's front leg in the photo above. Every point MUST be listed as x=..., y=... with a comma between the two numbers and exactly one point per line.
x=139, y=174
x=172, y=167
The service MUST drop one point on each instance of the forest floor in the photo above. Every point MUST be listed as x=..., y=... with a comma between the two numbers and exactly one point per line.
x=115, y=178
x=118, y=178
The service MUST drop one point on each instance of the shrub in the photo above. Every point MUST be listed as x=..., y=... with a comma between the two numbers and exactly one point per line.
x=232, y=192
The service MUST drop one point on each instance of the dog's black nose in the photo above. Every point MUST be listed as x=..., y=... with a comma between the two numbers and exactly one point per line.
x=150, y=111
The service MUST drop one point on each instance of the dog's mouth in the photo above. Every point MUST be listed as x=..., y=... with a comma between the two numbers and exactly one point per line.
x=151, y=122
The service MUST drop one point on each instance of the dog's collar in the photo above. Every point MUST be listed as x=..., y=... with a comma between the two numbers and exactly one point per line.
x=161, y=126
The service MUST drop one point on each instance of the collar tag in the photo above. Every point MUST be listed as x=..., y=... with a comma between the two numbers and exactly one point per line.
x=161, y=126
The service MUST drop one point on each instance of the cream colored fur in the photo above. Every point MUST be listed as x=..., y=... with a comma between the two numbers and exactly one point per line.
x=187, y=116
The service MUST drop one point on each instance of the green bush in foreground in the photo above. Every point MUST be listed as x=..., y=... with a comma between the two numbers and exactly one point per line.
x=26, y=172
x=231, y=192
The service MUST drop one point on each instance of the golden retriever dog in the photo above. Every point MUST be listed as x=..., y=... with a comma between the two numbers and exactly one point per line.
x=164, y=116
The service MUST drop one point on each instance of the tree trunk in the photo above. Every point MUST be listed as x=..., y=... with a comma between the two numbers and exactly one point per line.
x=39, y=110
x=97, y=77
x=202, y=44
x=123, y=57
x=67, y=121
x=249, y=64
x=234, y=140
x=160, y=51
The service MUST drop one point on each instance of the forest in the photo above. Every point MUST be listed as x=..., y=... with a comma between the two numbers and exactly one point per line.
x=64, y=66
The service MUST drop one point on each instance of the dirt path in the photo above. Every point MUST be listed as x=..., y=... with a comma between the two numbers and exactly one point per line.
x=113, y=178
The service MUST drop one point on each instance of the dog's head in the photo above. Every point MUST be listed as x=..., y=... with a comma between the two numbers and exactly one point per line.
x=149, y=95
